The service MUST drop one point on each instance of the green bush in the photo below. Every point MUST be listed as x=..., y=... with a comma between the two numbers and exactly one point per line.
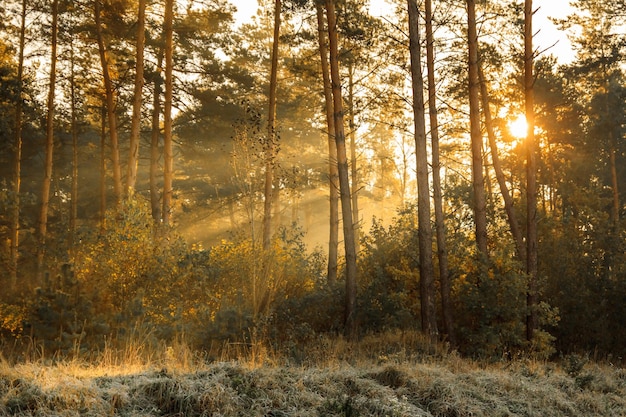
x=490, y=307
x=388, y=295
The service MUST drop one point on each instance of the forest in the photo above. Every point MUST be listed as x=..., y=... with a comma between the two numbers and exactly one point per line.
x=171, y=173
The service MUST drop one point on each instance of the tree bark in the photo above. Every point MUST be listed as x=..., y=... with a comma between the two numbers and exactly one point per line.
x=154, y=140
x=135, y=128
x=74, y=129
x=17, y=161
x=478, y=181
x=270, y=157
x=442, y=251
x=531, y=173
x=427, y=289
x=333, y=176
x=350, y=323
x=47, y=179
x=354, y=171
x=103, y=167
x=110, y=105
x=168, y=159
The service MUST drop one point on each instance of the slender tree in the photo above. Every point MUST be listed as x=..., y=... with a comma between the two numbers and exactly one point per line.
x=133, y=157
x=17, y=162
x=103, y=165
x=111, y=102
x=478, y=181
x=425, y=236
x=270, y=146
x=333, y=175
x=509, y=208
x=74, y=132
x=47, y=179
x=344, y=180
x=154, y=138
x=354, y=168
x=531, y=174
x=442, y=251
x=168, y=159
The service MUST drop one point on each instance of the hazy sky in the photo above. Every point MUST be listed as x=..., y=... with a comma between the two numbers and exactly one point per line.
x=547, y=35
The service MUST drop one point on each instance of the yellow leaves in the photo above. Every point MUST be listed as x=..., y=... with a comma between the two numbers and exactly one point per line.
x=12, y=318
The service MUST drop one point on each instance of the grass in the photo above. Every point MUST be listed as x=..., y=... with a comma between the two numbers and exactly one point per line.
x=392, y=375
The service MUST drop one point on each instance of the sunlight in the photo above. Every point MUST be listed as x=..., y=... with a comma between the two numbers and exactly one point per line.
x=518, y=127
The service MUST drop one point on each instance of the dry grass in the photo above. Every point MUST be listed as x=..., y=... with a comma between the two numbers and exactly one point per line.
x=394, y=375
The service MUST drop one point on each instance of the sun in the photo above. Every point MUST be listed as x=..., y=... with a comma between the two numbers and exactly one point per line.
x=518, y=127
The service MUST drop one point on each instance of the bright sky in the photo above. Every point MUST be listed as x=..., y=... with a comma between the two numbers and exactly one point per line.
x=547, y=33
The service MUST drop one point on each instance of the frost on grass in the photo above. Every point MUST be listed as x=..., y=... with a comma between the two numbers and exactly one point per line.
x=236, y=389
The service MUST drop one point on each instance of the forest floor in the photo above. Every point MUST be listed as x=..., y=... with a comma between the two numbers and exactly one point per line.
x=343, y=382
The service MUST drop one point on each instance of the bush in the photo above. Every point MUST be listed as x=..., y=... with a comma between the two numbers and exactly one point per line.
x=388, y=276
x=267, y=291
x=125, y=276
x=490, y=307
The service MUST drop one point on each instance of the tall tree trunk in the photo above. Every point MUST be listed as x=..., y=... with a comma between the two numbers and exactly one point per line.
x=614, y=184
x=333, y=175
x=168, y=159
x=478, y=181
x=344, y=180
x=270, y=157
x=509, y=208
x=154, y=141
x=103, y=167
x=17, y=162
x=74, y=129
x=110, y=104
x=442, y=251
x=135, y=128
x=425, y=234
x=354, y=171
x=47, y=179
x=531, y=173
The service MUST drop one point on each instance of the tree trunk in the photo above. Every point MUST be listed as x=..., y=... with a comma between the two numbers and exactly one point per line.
x=168, y=159
x=442, y=251
x=17, y=162
x=478, y=182
x=427, y=289
x=74, y=129
x=333, y=176
x=103, y=167
x=615, y=210
x=110, y=105
x=531, y=173
x=47, y=179
x=518, y=239
x=154, y=141
x=270, y=157
x=344, y=180
x=135, y=128
x=354, y=172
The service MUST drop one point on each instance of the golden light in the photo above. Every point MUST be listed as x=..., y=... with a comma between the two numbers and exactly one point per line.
x=518, y=127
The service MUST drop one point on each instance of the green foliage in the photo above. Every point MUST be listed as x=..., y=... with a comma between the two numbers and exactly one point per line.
x=490, y=301
x=388, y=277
x=589, y=290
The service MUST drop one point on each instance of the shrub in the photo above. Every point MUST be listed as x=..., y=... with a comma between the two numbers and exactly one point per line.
x=388, y=277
